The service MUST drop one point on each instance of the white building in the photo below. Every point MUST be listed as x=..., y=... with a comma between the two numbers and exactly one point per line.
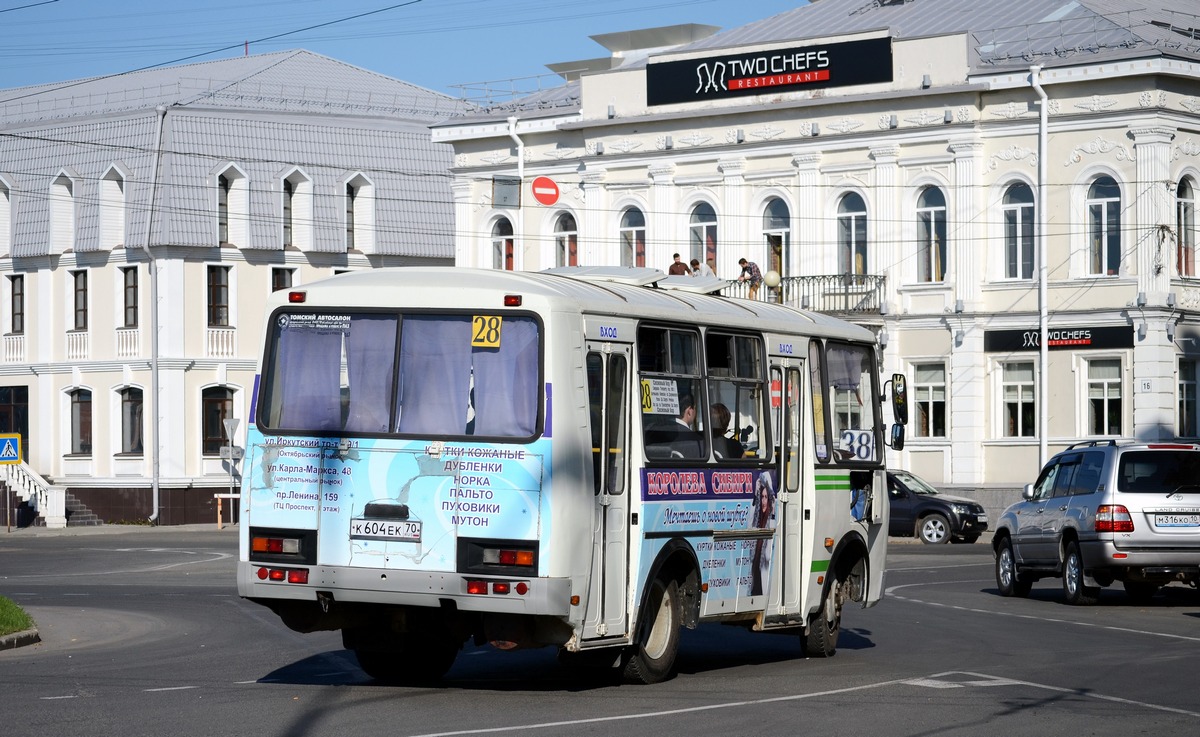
x=891, y=160
x=145, y=217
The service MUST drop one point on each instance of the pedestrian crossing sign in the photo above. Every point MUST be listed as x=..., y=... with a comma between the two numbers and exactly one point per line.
x=10, y=448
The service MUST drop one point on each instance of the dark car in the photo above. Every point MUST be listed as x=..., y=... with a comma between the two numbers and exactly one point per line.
x=918, y=509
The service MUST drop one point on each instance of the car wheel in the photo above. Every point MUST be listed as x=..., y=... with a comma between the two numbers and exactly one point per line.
x=652, y=659
x=934, y=530
x=1008, y=580
x=1140, y=592
x=1076, y=592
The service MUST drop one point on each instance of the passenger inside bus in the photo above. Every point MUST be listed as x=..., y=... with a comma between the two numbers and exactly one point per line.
x=677, y=438
x=723, y=446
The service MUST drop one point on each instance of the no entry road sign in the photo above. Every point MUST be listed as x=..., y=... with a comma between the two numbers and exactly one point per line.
x=545, y=191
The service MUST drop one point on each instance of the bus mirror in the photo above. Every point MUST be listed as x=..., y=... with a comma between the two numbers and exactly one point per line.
x=897, y=437
x=900, y=398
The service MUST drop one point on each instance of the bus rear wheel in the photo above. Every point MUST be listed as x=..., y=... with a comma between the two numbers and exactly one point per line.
x=409, y=659
x=825, y=625
x=652, y=658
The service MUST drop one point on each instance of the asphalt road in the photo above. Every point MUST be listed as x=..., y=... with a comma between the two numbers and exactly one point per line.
x=144, y=634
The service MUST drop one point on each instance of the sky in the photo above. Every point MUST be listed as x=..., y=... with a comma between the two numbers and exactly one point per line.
x=451, y=46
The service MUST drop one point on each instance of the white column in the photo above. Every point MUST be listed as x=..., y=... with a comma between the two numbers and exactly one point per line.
x=664, y=231
x=465, y=249
x=965, y=227
x=598, y=246
x=884, y=226
x=735, y=226
x=811, y=254
x=1154, y=357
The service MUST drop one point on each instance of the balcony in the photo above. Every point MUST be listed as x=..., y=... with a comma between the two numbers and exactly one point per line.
x=129, y=342
x=835, y=294
x=14, y=348
x=220, y=342
x=78, y=345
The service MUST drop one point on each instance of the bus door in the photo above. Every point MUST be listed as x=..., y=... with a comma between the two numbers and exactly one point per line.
x=608, y=401
x=788, y=420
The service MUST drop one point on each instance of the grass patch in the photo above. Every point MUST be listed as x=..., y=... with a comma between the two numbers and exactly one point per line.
x=13, y=618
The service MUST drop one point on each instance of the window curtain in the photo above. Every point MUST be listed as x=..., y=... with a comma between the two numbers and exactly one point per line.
x=312, y=387
x=435, y=375
x=506, y=382
x=370, y=358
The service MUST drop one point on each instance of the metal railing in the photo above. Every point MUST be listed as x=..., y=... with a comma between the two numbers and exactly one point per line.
x=837, y=294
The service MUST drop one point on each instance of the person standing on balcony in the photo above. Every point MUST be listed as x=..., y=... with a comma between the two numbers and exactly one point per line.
x=679, y=268
x=751, y=274
x=699, y=268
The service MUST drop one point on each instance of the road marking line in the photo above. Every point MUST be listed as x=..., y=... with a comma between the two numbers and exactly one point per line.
x=1128, y=630
x=56, y=698
x=171, y=688
x=666, y=713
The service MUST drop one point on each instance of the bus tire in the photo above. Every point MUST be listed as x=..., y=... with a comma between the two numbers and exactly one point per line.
x=820, y=640
x=419, y=661
x=652, y=658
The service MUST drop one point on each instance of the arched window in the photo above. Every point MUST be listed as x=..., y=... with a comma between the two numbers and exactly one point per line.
x=931, y=235
x=217, y=406
x=502, y=245
x=81, y=422
x=777, y=234
x=566, y=241
x=360, y=214
x=298, y=211
x=1104, y=228
x=1185, y=228
x=633, y=238
x=1017, y=206
x=704, y=232
x=852, y=234
x=131, y=420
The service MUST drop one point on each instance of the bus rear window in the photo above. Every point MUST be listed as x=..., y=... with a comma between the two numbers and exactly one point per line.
x=426, y=375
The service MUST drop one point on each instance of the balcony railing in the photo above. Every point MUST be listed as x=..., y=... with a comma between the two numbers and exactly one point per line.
x=14, y=348
x=78, y=345
x=129, y=342
x=839, y=294
x=221, y=342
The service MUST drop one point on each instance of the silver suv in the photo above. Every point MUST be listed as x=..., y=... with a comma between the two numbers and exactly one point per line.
x=1105, y=511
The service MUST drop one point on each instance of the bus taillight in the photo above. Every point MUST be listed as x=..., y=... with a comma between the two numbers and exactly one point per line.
x=279, y=575
x=508, y=557
x=277, y=545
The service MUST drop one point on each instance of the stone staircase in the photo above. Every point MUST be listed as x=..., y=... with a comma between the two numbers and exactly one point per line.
x=78, y=514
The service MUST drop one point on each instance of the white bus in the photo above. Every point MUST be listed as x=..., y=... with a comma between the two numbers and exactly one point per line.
x=584, y=458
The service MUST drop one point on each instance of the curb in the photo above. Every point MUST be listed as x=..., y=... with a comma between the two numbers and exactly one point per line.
x=19, y=639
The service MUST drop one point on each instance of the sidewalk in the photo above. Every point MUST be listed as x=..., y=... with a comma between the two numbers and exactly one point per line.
x=25, y=532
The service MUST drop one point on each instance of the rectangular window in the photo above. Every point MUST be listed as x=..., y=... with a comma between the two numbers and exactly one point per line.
x=17, y=283
x=1187, y=398
x=281, y=279
x=129, y=280
x=673, y=414
x=1104, y=396
x=929, y=400
x=223, y=186
x=735, y=381
x=217, y=406
x=1019, y=398
x=853, y=423
x=218, y=296
x=456, y=375
x=79, y=281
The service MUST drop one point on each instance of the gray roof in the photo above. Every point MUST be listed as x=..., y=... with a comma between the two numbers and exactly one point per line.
x=1007, y=34
x=267, y=115
x=285, y=81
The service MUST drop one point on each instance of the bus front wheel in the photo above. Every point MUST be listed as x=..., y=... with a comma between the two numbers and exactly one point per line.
x=826, y=624
x=652, y=658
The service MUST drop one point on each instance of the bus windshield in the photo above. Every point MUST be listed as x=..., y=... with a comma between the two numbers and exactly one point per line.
x=443, y=375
